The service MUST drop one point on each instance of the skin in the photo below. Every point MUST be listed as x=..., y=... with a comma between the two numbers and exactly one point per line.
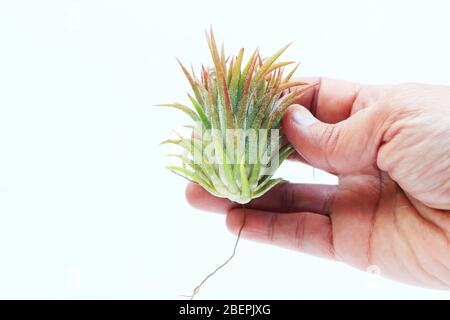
x=390, y=148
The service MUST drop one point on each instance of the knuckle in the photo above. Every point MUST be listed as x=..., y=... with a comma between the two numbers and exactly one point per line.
x=300, y=232
x=271, y=228
x=329, y=141
x=330, y=240
x=287, y=198
x=328, y=202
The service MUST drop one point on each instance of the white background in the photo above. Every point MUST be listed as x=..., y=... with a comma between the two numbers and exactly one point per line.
x=87, y=209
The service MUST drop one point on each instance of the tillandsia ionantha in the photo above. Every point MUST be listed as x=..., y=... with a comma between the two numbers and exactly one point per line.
x=237, y=143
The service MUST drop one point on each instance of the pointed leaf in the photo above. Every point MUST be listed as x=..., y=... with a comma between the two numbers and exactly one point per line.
x=245, y=187
x=201, y=114
x=191, y=113
x=194, y=83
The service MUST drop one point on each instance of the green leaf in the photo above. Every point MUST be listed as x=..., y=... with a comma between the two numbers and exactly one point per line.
x=278, y=65
x=195, y=145
x=225, y=168
x=200, y=112
x=284, y=105
x=191, y=113
x=234, y=83
x=193, y=177
x=285, y=152
x=269, y=184
x=245, y=187
x=254, y=177
x=291, y=73
x=246, y=96
x=268, y=63
x=289, y=85
x=198, y=169
x=194, y=82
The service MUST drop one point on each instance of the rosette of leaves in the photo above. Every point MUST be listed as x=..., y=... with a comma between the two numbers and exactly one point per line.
x=237, y=106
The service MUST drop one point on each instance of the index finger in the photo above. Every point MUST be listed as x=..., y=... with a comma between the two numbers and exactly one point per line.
x=330, y=100
x=284, y=198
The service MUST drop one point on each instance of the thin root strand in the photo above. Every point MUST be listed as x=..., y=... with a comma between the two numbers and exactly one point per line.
x=197, y=288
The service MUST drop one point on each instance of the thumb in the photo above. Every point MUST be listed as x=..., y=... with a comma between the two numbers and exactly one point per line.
x=343, y=147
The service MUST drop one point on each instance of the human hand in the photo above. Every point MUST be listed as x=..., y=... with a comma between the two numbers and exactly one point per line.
x=390, y=148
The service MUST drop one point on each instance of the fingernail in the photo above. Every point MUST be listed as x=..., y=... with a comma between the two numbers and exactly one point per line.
x=303, y=117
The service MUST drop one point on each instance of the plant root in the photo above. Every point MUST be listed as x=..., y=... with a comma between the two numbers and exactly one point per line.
x=197, y=288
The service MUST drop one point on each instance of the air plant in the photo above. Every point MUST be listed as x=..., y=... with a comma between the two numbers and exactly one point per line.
x=237, y=143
